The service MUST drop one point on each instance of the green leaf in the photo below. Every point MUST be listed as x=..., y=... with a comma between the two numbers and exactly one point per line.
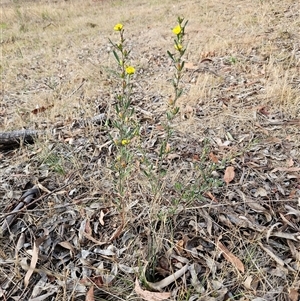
x=171, y=56
x=131, y=112
x=112, y=43
x=180, y=20
x=162, y=149
x=179, y=93
x=170, y=115
x=117, y=109
x=110, y=136
x=116, y=56
x=176, y=110
x=115, y=125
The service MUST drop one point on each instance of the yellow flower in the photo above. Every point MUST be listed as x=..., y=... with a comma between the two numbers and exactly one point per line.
x=177, y=30
x=125, y=141
x=118, y=27
x=178, y=47
x=130, y=70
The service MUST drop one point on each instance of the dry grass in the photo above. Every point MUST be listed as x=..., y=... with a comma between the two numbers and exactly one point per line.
x=241, y=108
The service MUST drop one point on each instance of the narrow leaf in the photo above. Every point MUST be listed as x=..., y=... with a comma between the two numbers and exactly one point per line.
x=90, y=294
x=34, y=259
x=231, y=258
x=171, y=55
x=116, y=56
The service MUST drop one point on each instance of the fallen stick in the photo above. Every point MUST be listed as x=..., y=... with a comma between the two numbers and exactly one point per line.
x=13, y=139
x=25, y=200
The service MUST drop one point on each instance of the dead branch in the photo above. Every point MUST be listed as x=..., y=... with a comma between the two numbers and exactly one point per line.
x=9, y=140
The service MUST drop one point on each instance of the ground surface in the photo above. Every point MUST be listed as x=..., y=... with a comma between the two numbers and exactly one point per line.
x=220, y=214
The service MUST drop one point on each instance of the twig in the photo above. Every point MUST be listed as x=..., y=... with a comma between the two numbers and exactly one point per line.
x=24, y=201
x=22, y=207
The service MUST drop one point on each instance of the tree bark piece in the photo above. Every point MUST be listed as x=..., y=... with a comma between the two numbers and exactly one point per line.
x=14, y=138
x=9, y=140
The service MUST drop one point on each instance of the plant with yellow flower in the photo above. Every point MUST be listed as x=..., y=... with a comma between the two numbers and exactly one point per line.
x=118, y=27
x=130, y=70
x=178, y=63
x=124, y=121
x=177, y=29
x=124, y=110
